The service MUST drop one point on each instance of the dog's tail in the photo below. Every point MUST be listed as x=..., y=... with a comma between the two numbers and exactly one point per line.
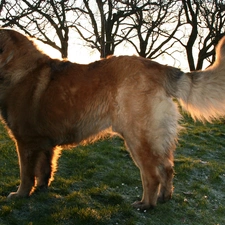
x=202, y=93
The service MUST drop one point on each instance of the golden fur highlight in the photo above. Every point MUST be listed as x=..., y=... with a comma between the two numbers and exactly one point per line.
x=201, y=93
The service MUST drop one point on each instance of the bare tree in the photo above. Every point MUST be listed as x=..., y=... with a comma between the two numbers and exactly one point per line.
x=45, y=20
x=102, y=25
x=213, y=20
x=153, y=27
x=97, y=22
x=207, y=21
x=1, y=5
x=150, y=26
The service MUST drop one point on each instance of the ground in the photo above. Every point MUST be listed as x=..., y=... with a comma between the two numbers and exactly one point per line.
x=96, y=184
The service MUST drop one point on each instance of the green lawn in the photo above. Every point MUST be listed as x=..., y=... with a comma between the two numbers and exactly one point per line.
x=96, y=184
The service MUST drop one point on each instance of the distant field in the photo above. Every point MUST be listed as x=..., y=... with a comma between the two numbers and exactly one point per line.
x=96, y=184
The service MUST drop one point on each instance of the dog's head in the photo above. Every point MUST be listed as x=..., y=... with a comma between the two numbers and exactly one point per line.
x=12, y=44
x=6, y=50
x=18, y=55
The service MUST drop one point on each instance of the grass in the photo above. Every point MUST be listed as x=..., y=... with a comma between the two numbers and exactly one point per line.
x=96, y=184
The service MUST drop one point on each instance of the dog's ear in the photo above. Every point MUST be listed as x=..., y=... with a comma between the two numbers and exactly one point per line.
x=220, y=49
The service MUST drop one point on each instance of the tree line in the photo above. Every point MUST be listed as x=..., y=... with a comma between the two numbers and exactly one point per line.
x=152, y=27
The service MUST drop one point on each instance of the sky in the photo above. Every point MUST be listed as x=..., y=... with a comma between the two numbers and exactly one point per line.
x=78, y=53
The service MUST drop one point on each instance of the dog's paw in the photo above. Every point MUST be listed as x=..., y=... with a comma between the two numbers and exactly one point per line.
x=142, y=206
x=164, y=198
x=14, y=195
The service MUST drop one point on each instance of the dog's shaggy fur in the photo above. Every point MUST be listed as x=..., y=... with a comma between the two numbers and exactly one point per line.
x=47, y=103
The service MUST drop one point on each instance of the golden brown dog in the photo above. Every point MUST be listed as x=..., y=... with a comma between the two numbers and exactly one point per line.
x=47, y=103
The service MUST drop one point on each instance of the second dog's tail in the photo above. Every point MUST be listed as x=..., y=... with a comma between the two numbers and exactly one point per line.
x=202, y=93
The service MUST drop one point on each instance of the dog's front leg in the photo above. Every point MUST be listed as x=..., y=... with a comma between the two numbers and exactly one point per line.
x=46, y=166
x=27, y=154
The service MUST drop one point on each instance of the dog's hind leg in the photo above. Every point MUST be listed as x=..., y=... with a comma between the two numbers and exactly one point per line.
x=156, y=168
x=166, y=173
x=150, y=134
x=148, y=163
